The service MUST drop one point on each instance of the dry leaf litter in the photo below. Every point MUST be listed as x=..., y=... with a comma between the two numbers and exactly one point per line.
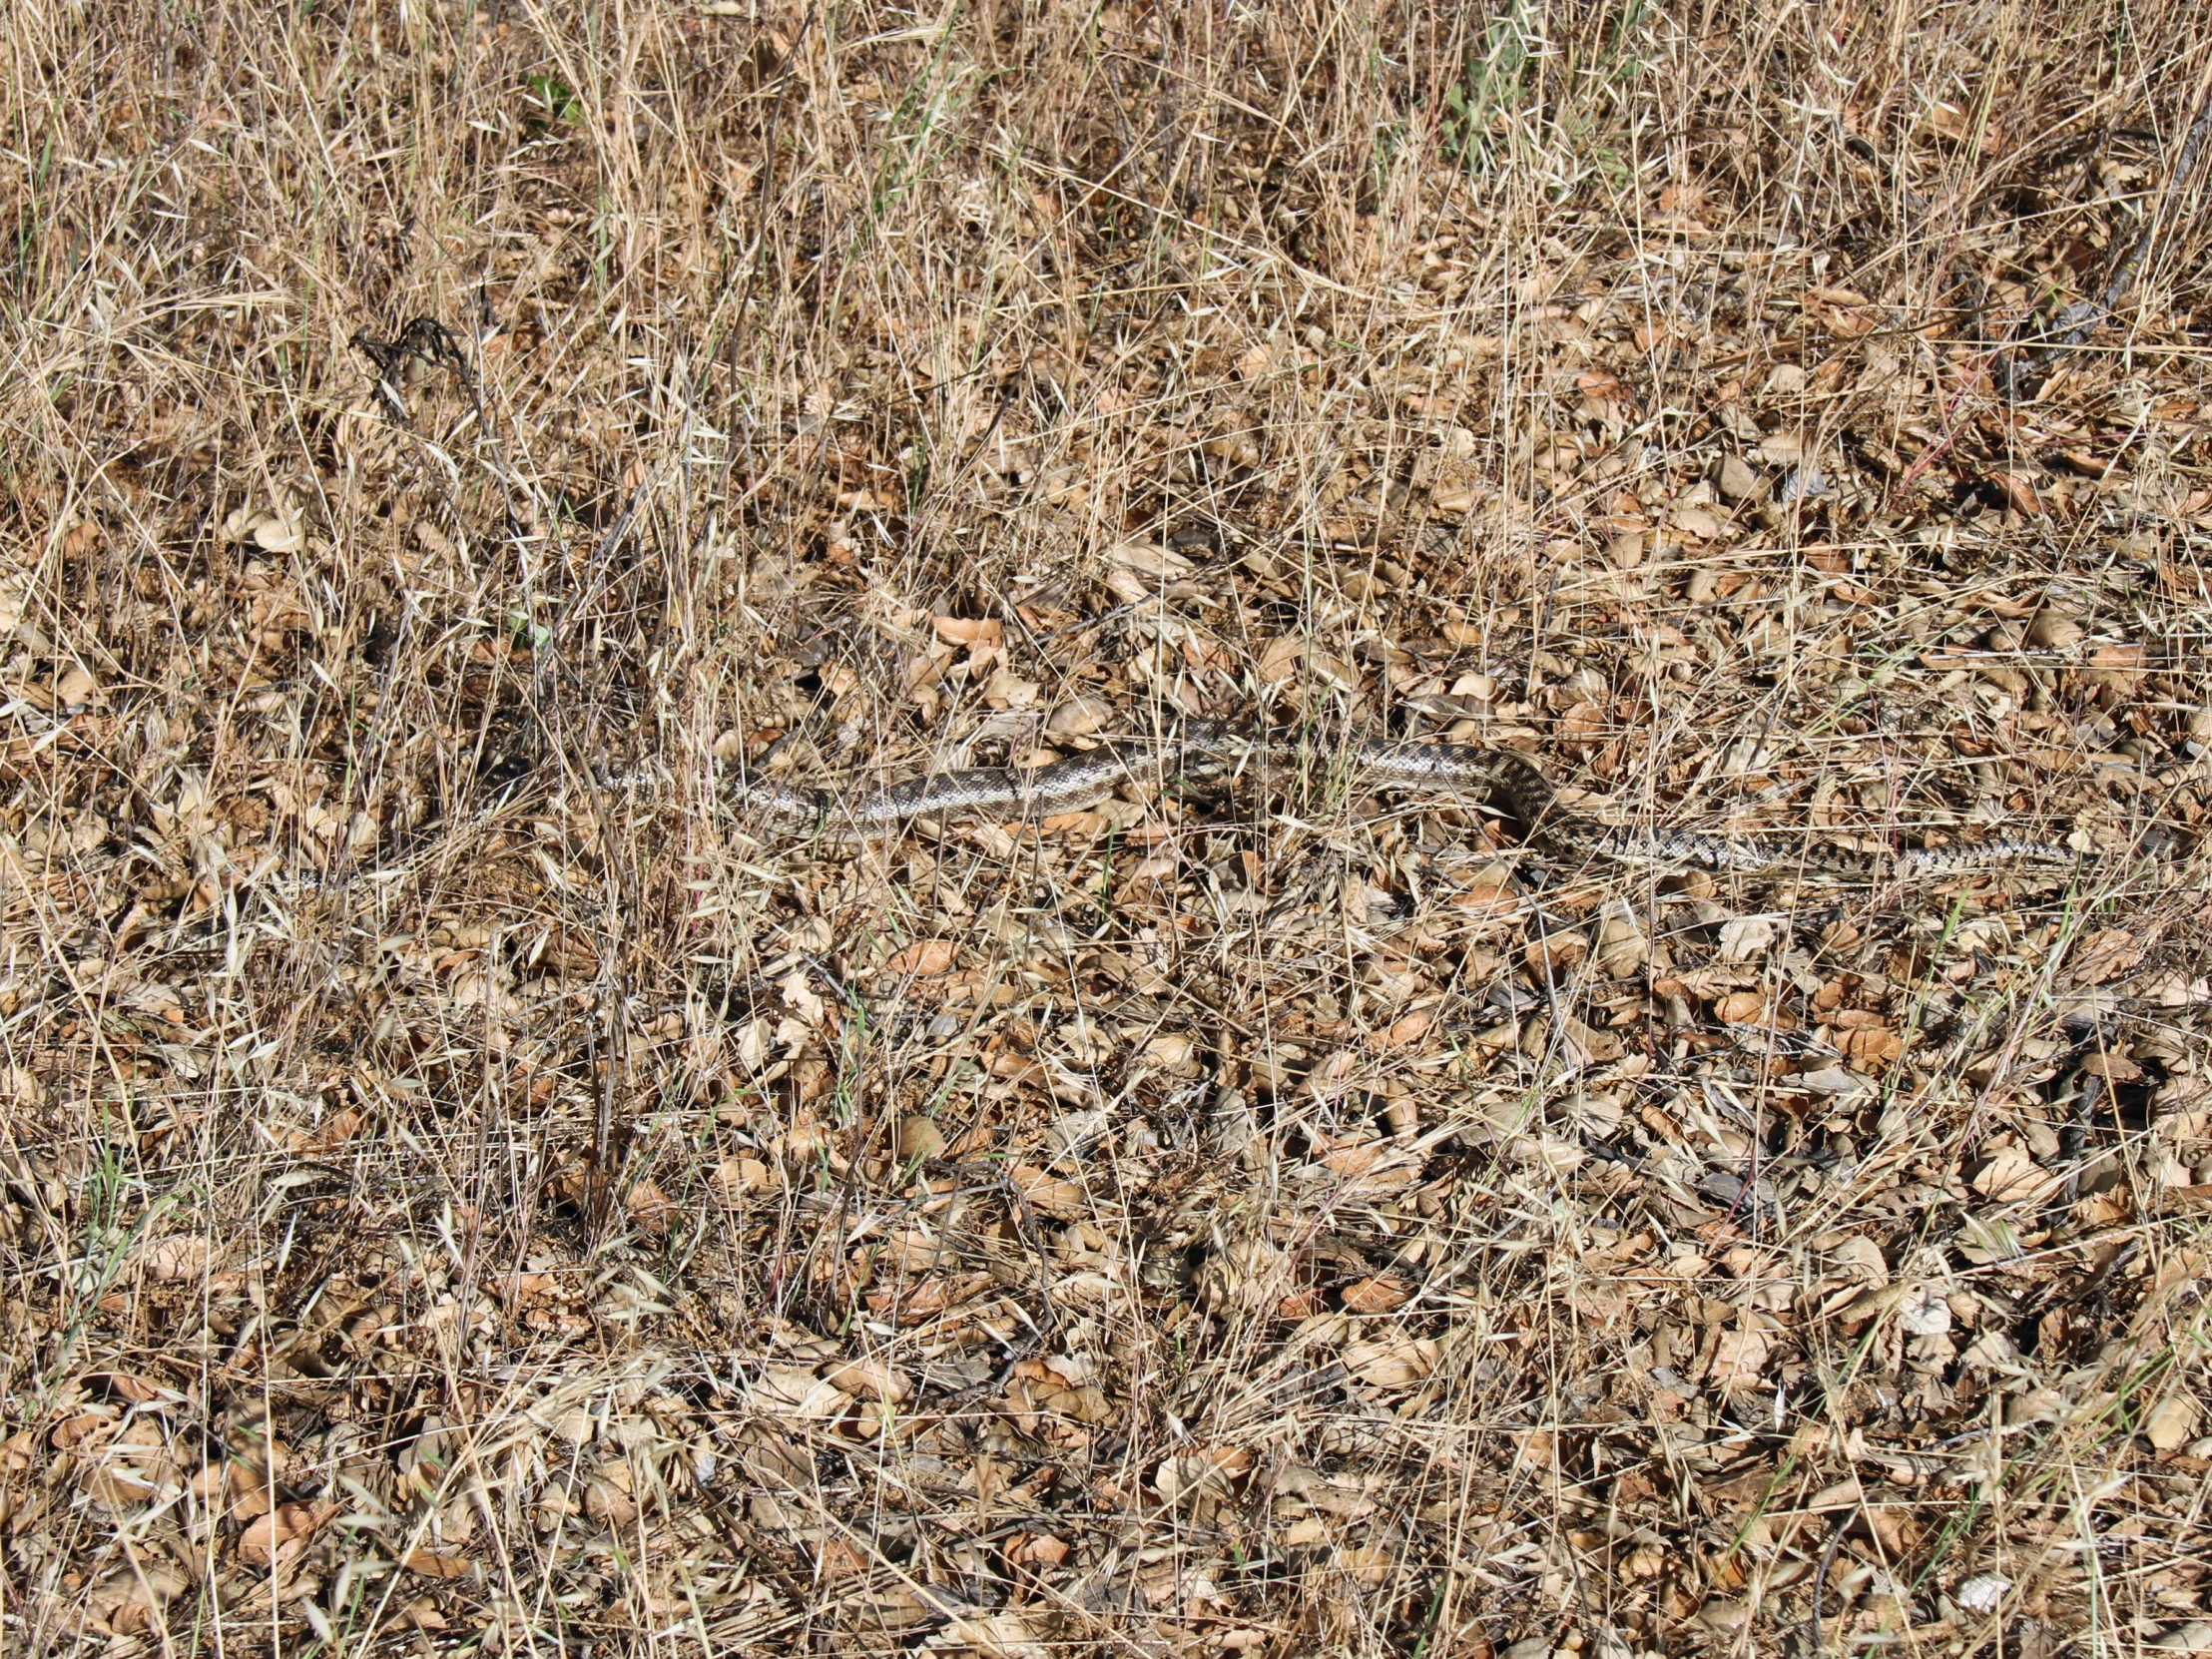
x=453, y=1205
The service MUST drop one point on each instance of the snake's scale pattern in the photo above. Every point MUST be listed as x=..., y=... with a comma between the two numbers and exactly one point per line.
x=1201, y=749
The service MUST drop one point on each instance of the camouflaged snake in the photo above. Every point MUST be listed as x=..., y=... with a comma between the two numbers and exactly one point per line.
x=1211, y=749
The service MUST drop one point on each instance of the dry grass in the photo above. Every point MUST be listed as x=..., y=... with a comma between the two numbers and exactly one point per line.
x=447, y=1204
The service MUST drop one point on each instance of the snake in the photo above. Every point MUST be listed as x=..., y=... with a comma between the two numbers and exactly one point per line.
x=1200, y=748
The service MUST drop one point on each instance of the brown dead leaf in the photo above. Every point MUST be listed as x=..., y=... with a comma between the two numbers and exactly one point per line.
x=2019, y=492
x=2009, y=1175
x=2173, y=1424
x=2113, y=1068
x=1209, y=1469
x=960, y=630
x=651, y=1210
x=1037, y=1548
x=1739, y=1356
x=71, y=1432
x=870, y=1379
x=924, y=959
x=1378, y=1295
x=1279, y=660
x=915, y=1302
x=741, y=1175
x=2107, y=954
x=1054, y=1197
x=282, y=1534
x=607, y=1498
x=1872, y=1047
x=1391, y=1363
x=129, y=1386
x=1556, y=953
x=1894, y=1525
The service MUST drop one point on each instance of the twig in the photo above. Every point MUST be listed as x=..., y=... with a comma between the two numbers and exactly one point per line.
x=1828, y=1560
x=2018, y=375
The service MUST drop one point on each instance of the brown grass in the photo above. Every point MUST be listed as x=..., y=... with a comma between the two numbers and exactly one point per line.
x=451, y=1204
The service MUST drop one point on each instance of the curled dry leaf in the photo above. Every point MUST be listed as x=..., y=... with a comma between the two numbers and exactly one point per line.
x=1079, y=716
x=1872, y=1047
x=924, y=959
x=2113, y=1068
x=651, y=1210
x=742, y=1175
x=919, y=1137
x=870, y=1379
x=1210, y=1469
x=1245, y=1274
x=1011, y=1634
x=1859, y=1258
x=1280, y=659
x=2009, y=1175
x=1378, y=1295
x=134, y=1466
x=282, y=1533
x=972, y=631
x=1739, y=1356
x=1922, y=1311
x=1041, y=1548
x=607, y=1497
x=1146, y=558
x=1391, y=1363
x=1740, y=1008
x=1065, y=1200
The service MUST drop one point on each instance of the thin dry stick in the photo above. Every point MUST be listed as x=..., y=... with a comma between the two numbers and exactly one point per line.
x=2017, y=378
x=1828, y=1560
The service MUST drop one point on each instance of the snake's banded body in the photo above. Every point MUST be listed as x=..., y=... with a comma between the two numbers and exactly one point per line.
x=1200, y=750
